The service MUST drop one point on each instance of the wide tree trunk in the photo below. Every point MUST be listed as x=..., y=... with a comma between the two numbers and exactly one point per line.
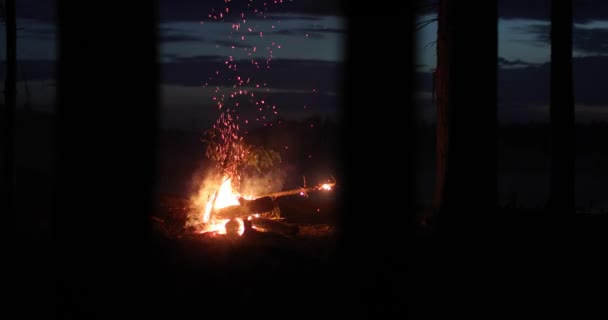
x=465, y=196
x=107, y=109
x=562, y=110
x=465, y=191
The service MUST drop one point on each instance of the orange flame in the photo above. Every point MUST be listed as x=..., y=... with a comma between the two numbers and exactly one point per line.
x=224, y=197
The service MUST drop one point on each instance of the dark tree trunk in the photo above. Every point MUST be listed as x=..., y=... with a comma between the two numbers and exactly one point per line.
x=466, y=143
x=7, y=118
x=562, y=110
x=107, y=108
x=466, y=129
x=441, y=84
x=9, y=248
x=383, y=116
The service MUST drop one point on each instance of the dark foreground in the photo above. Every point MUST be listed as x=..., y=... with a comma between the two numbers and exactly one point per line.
x=525, y=268
x=364, y=262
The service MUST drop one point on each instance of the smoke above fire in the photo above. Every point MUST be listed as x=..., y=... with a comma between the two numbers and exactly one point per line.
x=207, y=184
x=259, y=184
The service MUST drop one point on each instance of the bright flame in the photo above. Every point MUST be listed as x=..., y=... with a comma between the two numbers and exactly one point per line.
x=326, y=187
x=225, y=197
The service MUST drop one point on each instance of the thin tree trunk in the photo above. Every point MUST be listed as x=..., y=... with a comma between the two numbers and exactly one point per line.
x=442, y=85
x=562, y=110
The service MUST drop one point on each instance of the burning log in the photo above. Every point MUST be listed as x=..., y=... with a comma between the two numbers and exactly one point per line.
x=232, y=227
x=263, y=204
x=258, y=205
x=231, y=212
x=246, y=208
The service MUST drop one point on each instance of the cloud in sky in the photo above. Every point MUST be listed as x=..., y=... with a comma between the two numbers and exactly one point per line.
x=179, y=38
x=196, y=10
x=585, y=40
x=286, y=38
x=583, y=10
x=187, y=10
x=505, y=63
x=233, y=44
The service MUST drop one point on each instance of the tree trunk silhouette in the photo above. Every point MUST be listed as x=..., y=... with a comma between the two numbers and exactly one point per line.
x=7, y=116
x=106, y=136
x=441, y=84
x=562, y=110
x=465, y=195
x=465, y=191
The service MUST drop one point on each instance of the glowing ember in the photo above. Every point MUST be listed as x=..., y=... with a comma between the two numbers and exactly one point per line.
x=326, y=186
x=218, y=226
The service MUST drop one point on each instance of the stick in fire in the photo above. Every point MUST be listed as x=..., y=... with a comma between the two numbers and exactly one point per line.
x=267, y=202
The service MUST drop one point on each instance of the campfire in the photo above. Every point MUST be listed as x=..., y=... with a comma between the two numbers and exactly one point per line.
x=229, y=212
x=224, y=197
x=221, y=205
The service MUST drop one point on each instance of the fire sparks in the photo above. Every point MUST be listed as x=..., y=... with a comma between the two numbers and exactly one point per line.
x=226, y=146
x=239, y=28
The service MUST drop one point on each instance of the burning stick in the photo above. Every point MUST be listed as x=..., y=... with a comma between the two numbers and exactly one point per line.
x=263, y=203
x=301, y=191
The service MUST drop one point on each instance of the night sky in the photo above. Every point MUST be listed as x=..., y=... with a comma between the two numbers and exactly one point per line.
x=304, y=41
x=306, y=70
x=524, y=56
